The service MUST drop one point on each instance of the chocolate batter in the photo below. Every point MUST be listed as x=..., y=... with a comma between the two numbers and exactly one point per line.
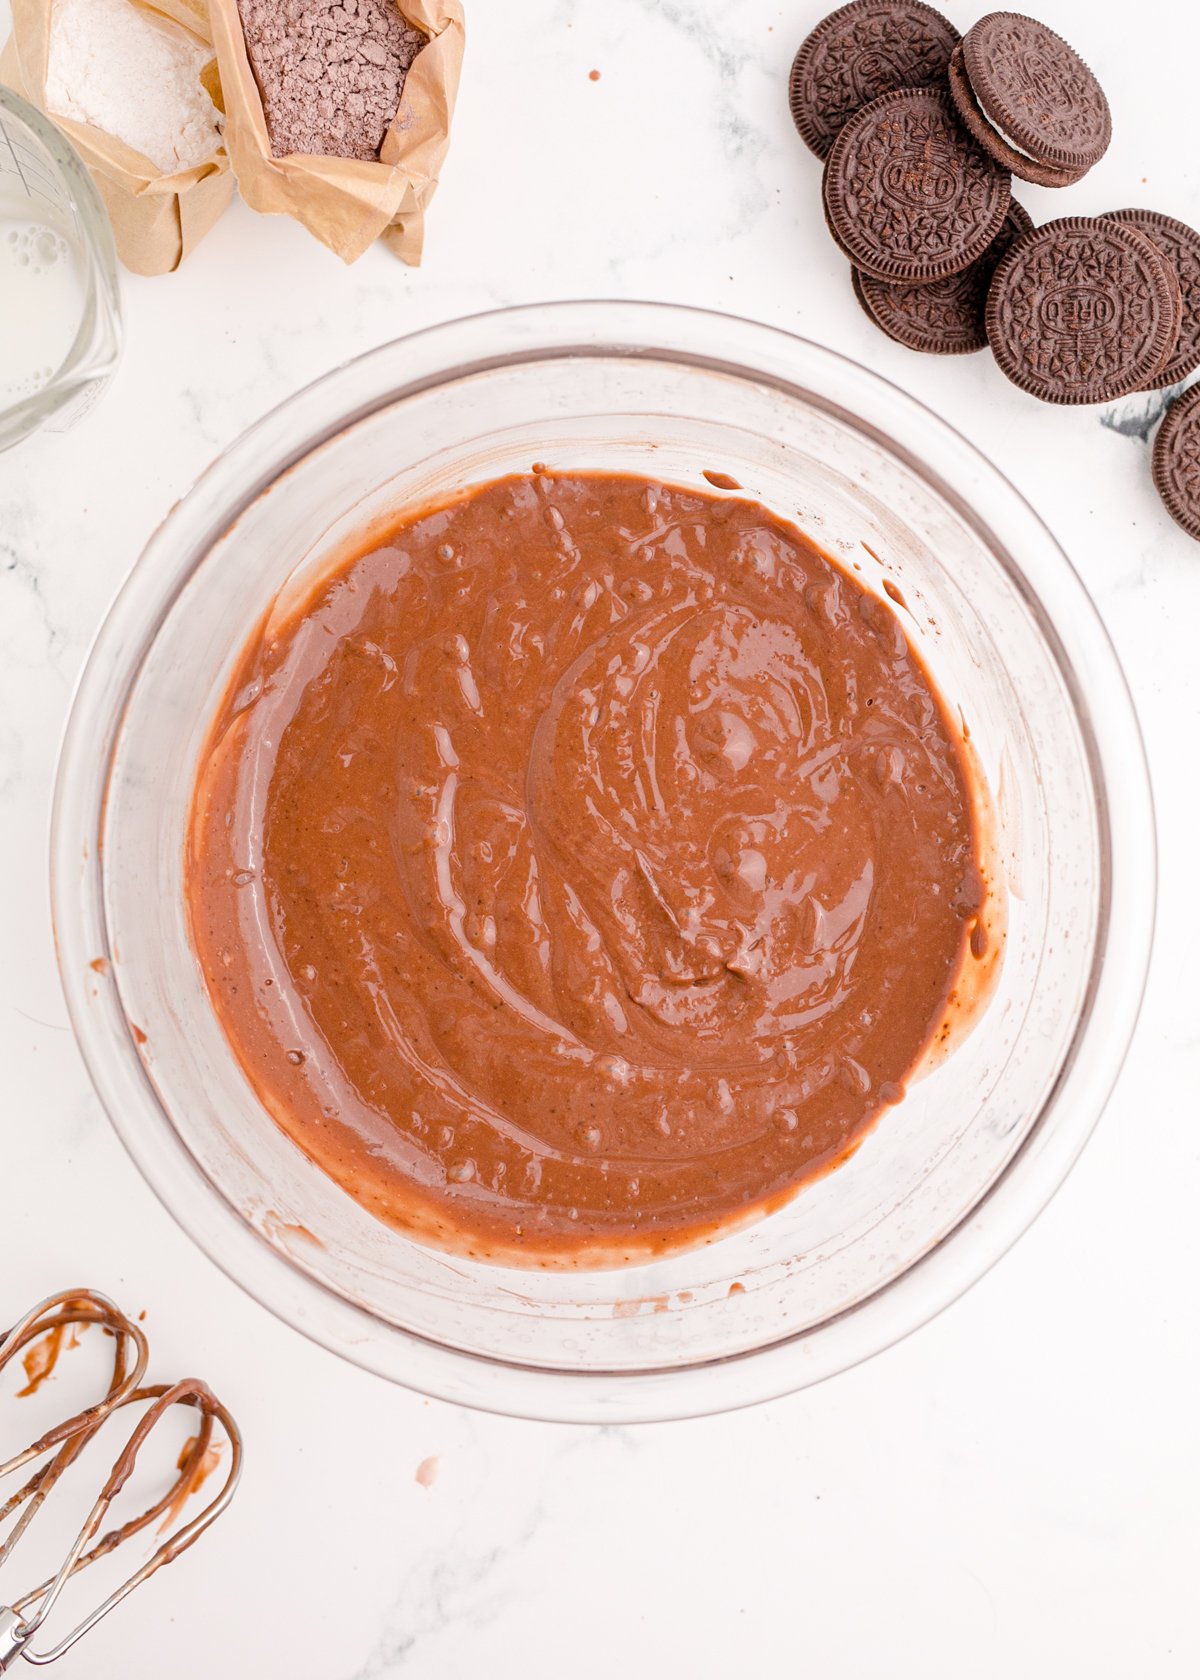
x=583, y=867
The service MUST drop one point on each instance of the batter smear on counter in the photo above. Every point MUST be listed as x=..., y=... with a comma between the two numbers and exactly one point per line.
x=583, y=867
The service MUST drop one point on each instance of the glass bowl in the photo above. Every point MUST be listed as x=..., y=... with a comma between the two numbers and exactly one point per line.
x=47, y=198
x=945, y=1182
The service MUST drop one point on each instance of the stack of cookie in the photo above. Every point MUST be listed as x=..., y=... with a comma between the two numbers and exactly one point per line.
x=921, y=132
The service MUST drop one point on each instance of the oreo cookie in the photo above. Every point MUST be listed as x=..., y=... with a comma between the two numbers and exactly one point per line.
x=1177, y=462
x=1030, y=100
x=946, y=318
x=1082, y=310
x=856, y=284
x=909, y=196
x=859, y=52
x=980, y=129
x=1180, y=244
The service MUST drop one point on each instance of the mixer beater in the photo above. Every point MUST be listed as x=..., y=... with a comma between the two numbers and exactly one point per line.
x=58, y=1447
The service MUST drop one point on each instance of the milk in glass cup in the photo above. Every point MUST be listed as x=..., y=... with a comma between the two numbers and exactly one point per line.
x=60, y=323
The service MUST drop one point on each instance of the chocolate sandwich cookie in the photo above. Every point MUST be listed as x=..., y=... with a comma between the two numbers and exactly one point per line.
x=1082, y=310
x=946, y=318
x=977, y=125
x=856, y=282
x=909, y=196
x=862, y=50
x=1046, y=114
x=1177, y=462
x=1180, y=244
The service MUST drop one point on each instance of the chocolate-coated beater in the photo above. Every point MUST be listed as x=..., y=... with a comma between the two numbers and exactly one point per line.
x=21, y=1620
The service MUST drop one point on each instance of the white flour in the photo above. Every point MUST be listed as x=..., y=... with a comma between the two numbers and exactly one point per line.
x=134, y=75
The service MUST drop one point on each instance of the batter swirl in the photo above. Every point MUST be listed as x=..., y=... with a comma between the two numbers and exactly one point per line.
x=583, y=867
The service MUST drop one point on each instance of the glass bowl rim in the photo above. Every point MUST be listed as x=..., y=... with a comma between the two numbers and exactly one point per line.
x=809, y=372
x=103, y=287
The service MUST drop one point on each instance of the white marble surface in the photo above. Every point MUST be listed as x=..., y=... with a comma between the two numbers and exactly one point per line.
x=1014, y=1490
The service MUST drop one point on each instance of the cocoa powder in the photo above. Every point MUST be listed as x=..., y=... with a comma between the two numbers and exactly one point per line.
x=330, y=72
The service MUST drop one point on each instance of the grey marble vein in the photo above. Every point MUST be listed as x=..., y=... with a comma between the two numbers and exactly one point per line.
x=452, y=1587
x=1137, y=416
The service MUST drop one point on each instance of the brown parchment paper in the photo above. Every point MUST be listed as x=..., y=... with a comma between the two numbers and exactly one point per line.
x=346, y=203
x=157, y=219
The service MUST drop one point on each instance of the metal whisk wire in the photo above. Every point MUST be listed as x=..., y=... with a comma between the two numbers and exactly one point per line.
x=70, y=1309
x=21, y=1620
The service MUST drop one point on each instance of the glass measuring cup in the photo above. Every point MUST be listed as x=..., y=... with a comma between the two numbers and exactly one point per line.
x=60, y=322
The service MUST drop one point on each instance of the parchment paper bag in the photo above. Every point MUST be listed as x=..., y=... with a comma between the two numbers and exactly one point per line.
x=347, y=203
x=157, y=218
